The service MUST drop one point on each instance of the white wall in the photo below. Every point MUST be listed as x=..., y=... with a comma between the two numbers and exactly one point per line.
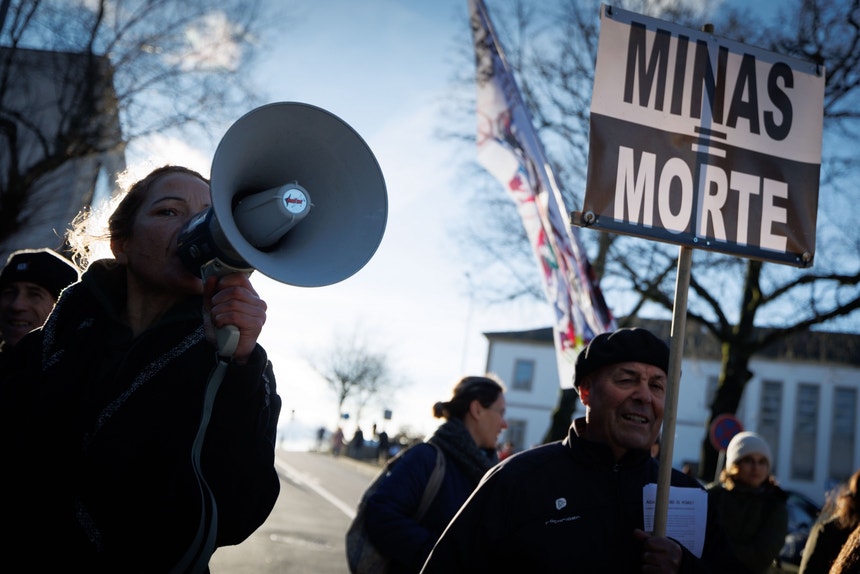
x=535, y=406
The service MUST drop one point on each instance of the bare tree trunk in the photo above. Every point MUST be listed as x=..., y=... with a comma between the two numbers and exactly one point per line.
x=737, y=348
x=733, y=379
x=562, y=415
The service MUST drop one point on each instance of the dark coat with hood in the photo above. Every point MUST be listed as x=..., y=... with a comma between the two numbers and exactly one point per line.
x=391, y=508
x=755, y=521
x=566, y=506
x=100, y=429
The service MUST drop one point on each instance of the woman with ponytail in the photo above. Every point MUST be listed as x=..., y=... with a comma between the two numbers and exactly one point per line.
x=474, y=418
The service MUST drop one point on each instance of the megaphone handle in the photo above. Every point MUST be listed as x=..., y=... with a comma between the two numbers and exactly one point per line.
x=227, y=337
x=228, y=340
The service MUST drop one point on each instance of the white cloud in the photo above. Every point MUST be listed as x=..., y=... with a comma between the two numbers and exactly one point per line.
x=211, y=45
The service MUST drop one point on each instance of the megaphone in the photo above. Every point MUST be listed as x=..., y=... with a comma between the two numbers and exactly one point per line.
x=296, y=194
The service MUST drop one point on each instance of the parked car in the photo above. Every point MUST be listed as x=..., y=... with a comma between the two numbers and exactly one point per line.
x=802, y=513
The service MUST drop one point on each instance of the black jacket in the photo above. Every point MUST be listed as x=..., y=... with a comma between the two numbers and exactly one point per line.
x=99, y=430
x=391, y=509
x=755, y=521
x=563, y=507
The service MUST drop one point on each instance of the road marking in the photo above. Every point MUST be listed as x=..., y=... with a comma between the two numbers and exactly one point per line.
x=298, y=541
x=306, y=480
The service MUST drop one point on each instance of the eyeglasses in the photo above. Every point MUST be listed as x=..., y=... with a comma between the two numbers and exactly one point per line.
x=753, y=461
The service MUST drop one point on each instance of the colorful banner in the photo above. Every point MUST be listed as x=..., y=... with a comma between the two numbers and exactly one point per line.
x=508, y=147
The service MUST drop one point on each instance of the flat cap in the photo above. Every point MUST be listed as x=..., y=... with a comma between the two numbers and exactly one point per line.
x=621, y=346
x=44, y=267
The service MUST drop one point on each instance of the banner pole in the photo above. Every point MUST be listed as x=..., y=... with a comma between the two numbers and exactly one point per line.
x=670, y=408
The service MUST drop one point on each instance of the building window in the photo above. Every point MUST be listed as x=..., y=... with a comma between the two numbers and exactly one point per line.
x=524, y=372
x=805, y=432
x=842, y=433
x=770, y=412
x=516, y=434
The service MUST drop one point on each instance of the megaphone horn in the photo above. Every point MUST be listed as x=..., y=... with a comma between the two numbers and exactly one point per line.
x=296, y=194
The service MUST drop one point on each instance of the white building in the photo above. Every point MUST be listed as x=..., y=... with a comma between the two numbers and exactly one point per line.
x=803, y=398
x=66, y=145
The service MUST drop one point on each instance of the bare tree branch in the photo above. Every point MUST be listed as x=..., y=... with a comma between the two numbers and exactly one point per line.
x=160, y=67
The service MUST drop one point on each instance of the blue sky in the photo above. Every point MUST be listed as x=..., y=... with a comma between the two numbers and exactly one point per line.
x=381, y=66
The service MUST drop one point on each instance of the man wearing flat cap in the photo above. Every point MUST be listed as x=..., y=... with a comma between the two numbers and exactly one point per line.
x=576, y=505
x=30, y=284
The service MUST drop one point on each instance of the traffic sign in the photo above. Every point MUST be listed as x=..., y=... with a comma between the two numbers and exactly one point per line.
x=722, y=430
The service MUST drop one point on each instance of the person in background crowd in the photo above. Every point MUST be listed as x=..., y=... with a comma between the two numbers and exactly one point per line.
x=383, y=448
x=356, y=445
x=320, y=438
x=839, y=517
x=30, y=283
x=474, y=418
x=753, y=508
x=848, y=559
x=337, y=441
x=114, y=396
x=577, y=505
x=506, y=450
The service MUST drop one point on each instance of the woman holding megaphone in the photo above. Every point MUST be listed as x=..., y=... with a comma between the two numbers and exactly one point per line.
x=136, y=446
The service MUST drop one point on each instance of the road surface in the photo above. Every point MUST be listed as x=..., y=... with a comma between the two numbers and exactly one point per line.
x=305, y=531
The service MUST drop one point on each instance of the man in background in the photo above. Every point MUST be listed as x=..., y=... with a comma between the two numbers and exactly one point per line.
x=30, y=284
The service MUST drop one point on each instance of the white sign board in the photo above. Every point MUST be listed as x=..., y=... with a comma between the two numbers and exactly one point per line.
x=700, y=141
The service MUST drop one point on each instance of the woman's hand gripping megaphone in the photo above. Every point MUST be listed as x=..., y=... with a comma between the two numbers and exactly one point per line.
x=263, y=219
x=233, y=313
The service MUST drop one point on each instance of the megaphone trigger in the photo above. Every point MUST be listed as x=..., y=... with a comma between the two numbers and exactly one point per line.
x=227, y=337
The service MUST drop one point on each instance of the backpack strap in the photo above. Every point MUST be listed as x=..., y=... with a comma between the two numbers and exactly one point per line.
x=433, y=483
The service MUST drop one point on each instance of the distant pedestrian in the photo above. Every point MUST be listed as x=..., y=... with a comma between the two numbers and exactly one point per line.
x=356, y=445
x=320, y=438
x=337, y=441
x=839, y=517
x=382, y=448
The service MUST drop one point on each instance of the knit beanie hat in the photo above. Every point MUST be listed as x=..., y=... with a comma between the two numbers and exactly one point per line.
x=43, y=267
x=621, y=346
x=744, y=444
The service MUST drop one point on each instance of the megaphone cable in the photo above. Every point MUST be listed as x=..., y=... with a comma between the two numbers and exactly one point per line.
x=196, y=557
